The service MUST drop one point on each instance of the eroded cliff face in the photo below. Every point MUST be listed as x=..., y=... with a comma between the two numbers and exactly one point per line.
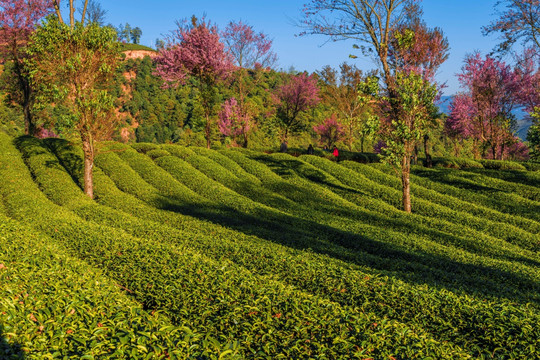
x=139, y=54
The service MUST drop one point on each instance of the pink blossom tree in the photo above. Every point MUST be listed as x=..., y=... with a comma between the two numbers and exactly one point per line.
x=248, y=48
x=18, y=19
x=296, y=96
x=330, y=131
x=484, y=111
x=195, y=51
x=234, y=122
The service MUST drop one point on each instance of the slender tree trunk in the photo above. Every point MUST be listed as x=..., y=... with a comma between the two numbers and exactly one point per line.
x=362, y=143
x=88, y=150
x=245, y=144
x=429, y=162
x=58, y=12
x=71, y=13
x=84, y=11
x=29, y=126
x=24, y=83
x=207, y=131
x=405, y=175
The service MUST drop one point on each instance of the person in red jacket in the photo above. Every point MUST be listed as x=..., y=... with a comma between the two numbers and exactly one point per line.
x=336, y=153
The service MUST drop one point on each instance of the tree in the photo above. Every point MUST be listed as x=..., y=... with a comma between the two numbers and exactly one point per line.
x=56, y=4
x=124, y=33
x=94, y=13
x=519, y=21
x=234, y=121
x=249, y=49
x=413, y=99
x=297, y=95
x=136, y=35
x=72, y=67
x=484, y=111
x=195, y=51
x=370, y=22
x=330, y=131
x=379, y=26
x=18, y=19
x=355, y=113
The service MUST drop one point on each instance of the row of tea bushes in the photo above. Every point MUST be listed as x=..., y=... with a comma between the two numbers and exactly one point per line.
x=493, y=190
x=319, y=277
x=427, y=195
x=55, y=306
x=437, y=213
x=449, y=182
x=258, y=259
x=487, y=181
x=249, y=314
x=409, y=225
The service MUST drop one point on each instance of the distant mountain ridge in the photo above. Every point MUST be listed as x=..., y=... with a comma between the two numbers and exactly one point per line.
x=523, y=123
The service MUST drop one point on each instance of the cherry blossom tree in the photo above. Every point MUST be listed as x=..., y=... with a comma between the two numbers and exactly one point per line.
x=385, y=32
x=248, y=48
x=330, y=131
x=296, y=96
x=234, y=121
x=195, y=51
x=484, y=111
x=18, y=19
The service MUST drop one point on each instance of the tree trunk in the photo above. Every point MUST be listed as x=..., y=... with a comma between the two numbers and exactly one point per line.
x=29, y=127
x=207, y=131
x=405, y=172
x=88, y=150
x=429, y=162
x=245, y=144
x=362, y=143
x=24, y=82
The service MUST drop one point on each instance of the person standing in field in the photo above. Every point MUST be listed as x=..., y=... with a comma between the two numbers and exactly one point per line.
x=336, y=153
x=283, y=148
x=310, y=150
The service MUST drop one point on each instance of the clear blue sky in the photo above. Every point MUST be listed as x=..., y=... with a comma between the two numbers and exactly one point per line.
x=461, y=21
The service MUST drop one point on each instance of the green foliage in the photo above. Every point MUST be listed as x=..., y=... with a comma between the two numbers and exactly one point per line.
x=457, y=163
x=502, y=165
x=135, y=47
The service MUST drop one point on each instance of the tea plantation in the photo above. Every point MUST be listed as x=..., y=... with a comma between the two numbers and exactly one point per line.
x=234, y=254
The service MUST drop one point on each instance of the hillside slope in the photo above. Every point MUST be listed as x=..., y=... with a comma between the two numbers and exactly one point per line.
x=240, y=254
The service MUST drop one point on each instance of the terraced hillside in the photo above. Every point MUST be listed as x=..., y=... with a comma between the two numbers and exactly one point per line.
x=196, y=253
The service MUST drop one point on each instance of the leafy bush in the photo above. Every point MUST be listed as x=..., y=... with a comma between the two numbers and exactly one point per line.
x=456, y=163
x=502, y=165
x=144, y=147
x=157, y=153
x=532, y=166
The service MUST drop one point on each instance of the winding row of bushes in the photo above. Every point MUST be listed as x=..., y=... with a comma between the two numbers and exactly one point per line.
x=474, y=208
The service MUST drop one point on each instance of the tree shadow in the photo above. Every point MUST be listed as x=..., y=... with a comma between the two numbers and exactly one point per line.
x=8, y=350
x=514, y=176
x=395, y=223
x=493, y=198
x=413, y=266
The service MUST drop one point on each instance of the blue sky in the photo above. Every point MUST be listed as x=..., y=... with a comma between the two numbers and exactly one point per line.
x=461, y=21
